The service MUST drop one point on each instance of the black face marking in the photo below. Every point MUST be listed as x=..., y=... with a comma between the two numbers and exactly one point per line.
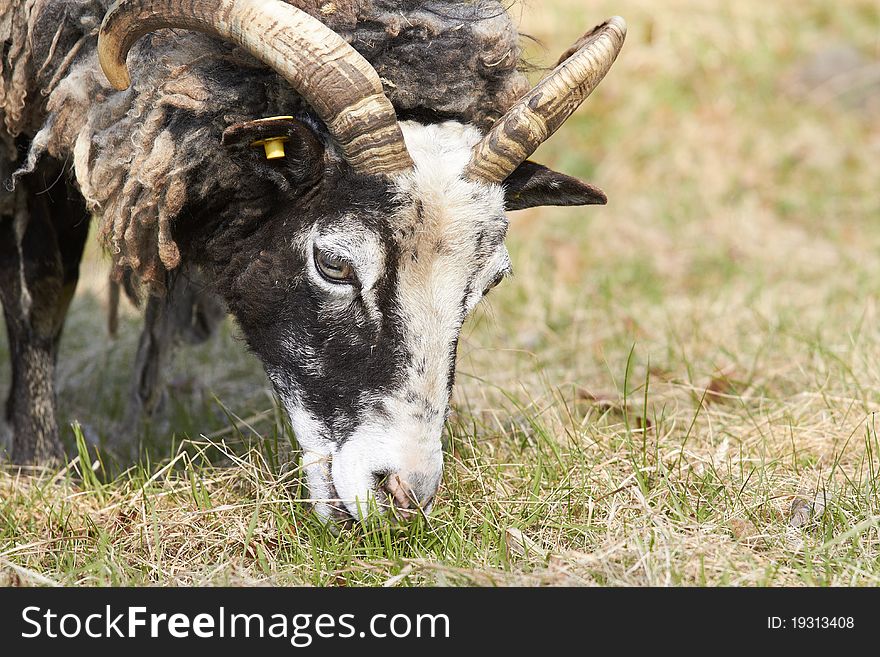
x=333, y=356
x=327, y=357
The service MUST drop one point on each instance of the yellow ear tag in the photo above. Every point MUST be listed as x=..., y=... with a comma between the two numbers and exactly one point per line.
x=274, y=147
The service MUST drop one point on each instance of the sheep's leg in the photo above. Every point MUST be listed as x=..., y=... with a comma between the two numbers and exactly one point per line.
x=154, y=352
x=187, y=313
x=41, y=244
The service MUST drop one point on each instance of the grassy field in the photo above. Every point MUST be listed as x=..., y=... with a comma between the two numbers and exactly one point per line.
x=678, y=388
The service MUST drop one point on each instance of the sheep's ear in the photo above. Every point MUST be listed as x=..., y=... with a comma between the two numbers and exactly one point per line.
x=277, y=145
x=532, y=184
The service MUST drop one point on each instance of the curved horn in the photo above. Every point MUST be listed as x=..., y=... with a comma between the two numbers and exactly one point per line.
x=539, y=113
x=337, y=82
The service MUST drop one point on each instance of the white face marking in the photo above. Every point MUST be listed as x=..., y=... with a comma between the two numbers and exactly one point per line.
x=448, y=234
x=316, y=457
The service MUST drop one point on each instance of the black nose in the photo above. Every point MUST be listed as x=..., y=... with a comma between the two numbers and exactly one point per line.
x=401, y=497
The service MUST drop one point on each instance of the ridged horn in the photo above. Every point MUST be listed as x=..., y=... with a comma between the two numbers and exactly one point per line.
x=334, y=79
x=541, y=112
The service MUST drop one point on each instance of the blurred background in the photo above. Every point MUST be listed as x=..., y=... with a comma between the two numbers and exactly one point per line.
x=739, y=145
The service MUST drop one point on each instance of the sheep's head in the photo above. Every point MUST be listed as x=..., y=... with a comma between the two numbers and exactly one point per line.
x=379, y=239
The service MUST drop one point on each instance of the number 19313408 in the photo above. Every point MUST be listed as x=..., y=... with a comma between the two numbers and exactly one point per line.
x=811, y=623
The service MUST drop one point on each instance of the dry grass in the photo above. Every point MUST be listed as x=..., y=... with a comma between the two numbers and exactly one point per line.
x=678, y=388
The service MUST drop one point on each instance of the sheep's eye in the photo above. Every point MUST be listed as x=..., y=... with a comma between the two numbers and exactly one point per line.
x=333, y=268
x=494, y=282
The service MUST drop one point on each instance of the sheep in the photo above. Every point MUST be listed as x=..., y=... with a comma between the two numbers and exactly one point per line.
x=338, y=171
